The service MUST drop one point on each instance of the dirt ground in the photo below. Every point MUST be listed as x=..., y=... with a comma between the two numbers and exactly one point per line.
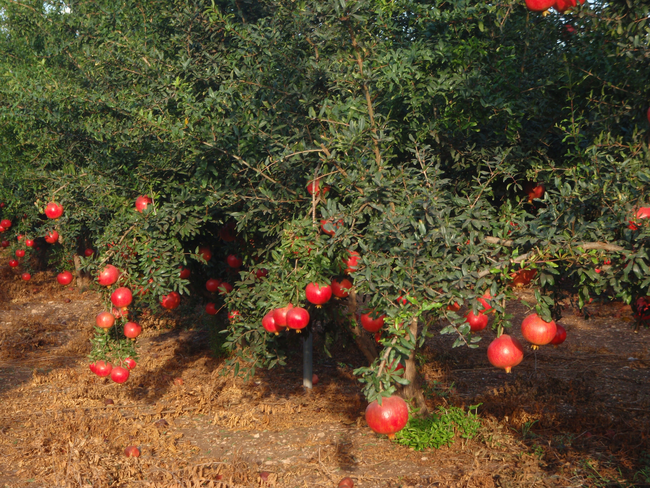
x=572, y=416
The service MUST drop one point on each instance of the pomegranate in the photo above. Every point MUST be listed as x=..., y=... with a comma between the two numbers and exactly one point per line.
x=268, y=322
x=13, y=263
x=6, y=223
x=132, y=330
x=341, y=290
x=560, y=336
x=487, y=308
x=212, y=285
x=643, y=213
x=262, y=273
x=205, y=252
x=184, y=273
x=389, y=417
x=225, y=288
x=346, y=483
x=330, y=228
x=88, y=252
x=523, y=277
x=352, y=262
x=103, y=369
x=297, y=318
x=314, y=379
x=122, y=297
x=20, y=253
x=539, y=5
x=119, y=374
x=108, y=275
x=130, y=363
x=476, y=322
x=536, y=331
x=313, y=187
x=142, y=202
x=53, y=210
x=171, y=301
x=211, y=309
x=4, y=243
x=280, y=315
x=453, y=307
x=26, y=276
x=234, y=315
x=64, y=278
x=317, y=294
x=505, y=352
x=105, y=320
x=234, y=261
x=372, y=324
x=132, y=451
x=29, y=242
x=51, y=237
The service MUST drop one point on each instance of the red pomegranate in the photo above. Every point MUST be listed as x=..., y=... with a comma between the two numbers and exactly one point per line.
x=523, y=277
x=536, y=331
x=477, y=322
x=371, y=322
x=132, y=330
x=29, y=242
x=297, y=318
x=184, y=273
x=211, y=309
x=142, y=202
x=268, y=322
x=280, y=315
x=505, y=352
x=20, y=253
x=51, y=237
x=262, y=273
x=318, y=294
x=13, y=263
x=225, y=288
x=487, y=308
x=212, y=285
x=53, y=210
x=108, y=275
x=64, y=278
x=351, y=262
x=234, y=261
x=4, y=243
x=26, y=276
x=171, y=301
x=453, y=307
x=643, y=213
x=102, y=368
x=105, y=320
x=130, y=363
x=341, y=290
x=205, y=252
x=6, y=223
x=560, y=336
x=389, y=417
x=122, y=297
x=119, y=374
x=329, y=227
x=539, y=5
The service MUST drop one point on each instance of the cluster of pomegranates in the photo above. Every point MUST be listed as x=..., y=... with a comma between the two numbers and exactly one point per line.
x=506, y=352
x=559, y=5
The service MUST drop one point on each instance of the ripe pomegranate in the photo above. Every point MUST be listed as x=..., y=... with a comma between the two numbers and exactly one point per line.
x=132, y=330
x=505, y=352
x=539, y=5
x=26, y=276
x=318, y=294
x=268, y=322
x=142, y=202
x=122, y=297
x=211, y=309
x=341, y=290
x=29, y=242
x=560, y=336
x=225, y=288
x=487, y=308
x=20, y=253
x=346, y=483
x=262, y=273
x=171, y=301
x=103, y=369
x=119, y=312
x=51, y=237
x=314, y=379
x=130, y=363
x=453, y=307
x=108, y=275
x=88, y=252
x=119, y=374
x=13, y=263
x=234, y=261
x=389, y=417
x=313, y=187
x=352, y=262
x=643, y=213
x=523, y=277
x=372, y=324
x=330, y=228
x=212, y=285
x=297, y=318
x=205, y=252
x=280, y=315
x=4, y=243
x=105, y=320
x=476, y=322
x=64, y=278
x=536, y=331
x=6, y=223
x=132, y=451
x=53, y=210
x=184, y=273
x=234, y=315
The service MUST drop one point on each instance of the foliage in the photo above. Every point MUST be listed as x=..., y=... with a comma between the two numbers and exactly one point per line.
x=439, y=429
x=426, y=119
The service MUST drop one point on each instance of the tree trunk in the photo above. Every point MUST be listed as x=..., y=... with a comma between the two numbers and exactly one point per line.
x=413, y=391
x=83, y=279
x=365, y=343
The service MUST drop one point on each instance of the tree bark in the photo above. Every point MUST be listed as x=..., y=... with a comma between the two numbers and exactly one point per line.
x=413, y=391
x=365, y=343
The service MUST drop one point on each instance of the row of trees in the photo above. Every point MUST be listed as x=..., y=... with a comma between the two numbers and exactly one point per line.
x=429, y=121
